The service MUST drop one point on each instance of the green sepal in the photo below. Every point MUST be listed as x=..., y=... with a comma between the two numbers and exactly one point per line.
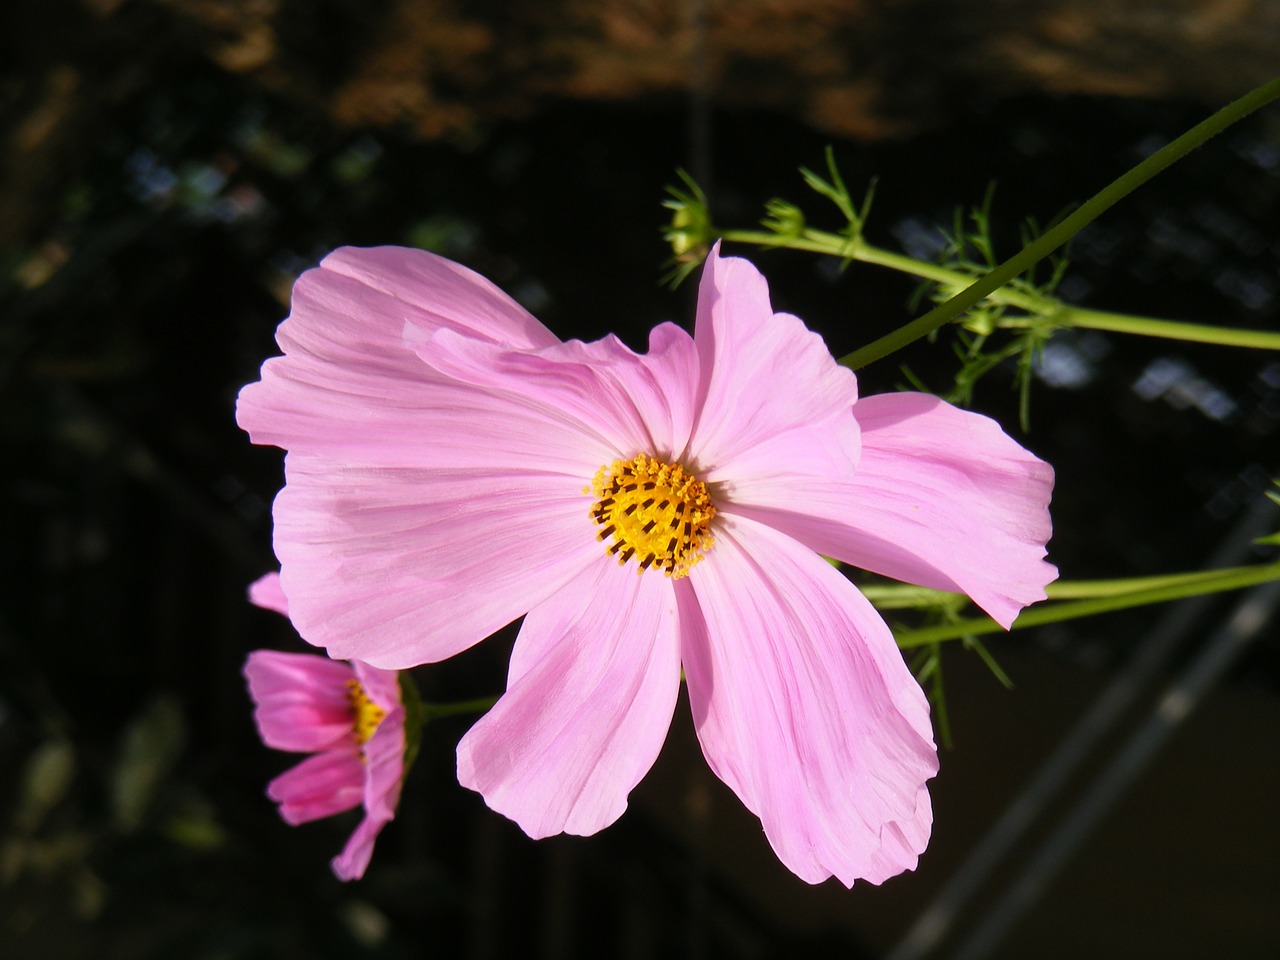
x=413, y=717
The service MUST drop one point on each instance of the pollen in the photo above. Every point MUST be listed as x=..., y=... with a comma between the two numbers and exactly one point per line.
x=654, y=512
x=365, y=714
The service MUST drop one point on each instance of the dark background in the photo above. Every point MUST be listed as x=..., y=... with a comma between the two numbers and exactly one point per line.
x=169, y=168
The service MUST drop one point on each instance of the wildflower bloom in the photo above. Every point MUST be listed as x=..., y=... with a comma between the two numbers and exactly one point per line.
x=350, y=716
x=452, y=465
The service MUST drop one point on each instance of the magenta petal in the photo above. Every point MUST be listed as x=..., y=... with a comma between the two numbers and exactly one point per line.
x=384, y=766
x=804, y=707
x=403, y=567
x=765, y=376
x=942, y=497
x=592, y=688
x=320, y=786
x=384, y=751
x=265, y=592
x=384, y=774
x=352, y=862
x=301, y=699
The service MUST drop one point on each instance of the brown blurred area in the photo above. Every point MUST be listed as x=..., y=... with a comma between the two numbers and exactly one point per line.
x=441, y=69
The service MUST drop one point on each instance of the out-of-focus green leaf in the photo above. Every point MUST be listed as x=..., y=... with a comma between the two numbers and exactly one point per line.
x=149, y=747
x=45, y=780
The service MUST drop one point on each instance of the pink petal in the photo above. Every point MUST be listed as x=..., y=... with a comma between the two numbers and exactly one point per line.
x=265, y=592
x=319, y=786
x=323, y=409
x=351, y=382
x=435, y=293
x=381, y=686
x=804, y=707
x=629, y=402
x=402, y=567
x=301, y=699
x=384, y=751
x=384, y=766
x=384, y=774
x=942, y=498
x=352, y=862
x=765, y=378
x=376, y=554
x=592, y=688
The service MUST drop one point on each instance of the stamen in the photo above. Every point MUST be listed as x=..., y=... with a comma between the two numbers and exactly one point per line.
x=365, y=714
x=655, y=511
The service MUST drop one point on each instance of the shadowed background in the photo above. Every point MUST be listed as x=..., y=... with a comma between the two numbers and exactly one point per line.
x=169, y=166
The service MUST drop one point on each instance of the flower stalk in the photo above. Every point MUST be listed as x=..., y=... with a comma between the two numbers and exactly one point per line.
x=1037, y=309
x=1069, y=600
x=438, y=711
x=1058, y=235
x=692, y=232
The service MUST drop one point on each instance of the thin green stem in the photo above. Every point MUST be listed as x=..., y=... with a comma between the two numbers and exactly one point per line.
x=901, y=596
x=1170, y=329
x=1089, y=589
x=904, y=595
x=810, y=241
x=1175, y=588
x=435, y=711
x=1058, y=313
x=833, y=244
x=1058, y=235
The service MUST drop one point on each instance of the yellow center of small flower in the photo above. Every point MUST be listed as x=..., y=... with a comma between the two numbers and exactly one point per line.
x=365, y=714
x=655, y=512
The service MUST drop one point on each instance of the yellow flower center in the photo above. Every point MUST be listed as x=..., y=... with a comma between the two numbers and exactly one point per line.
x=365, y=714
x=655, y=512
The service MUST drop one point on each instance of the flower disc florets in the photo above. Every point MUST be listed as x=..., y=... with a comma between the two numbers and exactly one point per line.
x=654, y=511
x=365, y=714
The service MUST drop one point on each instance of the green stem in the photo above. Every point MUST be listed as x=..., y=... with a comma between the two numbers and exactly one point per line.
x=901, y=596
x=1170, y=329
x=819, y=241
x=435, y=711
x=898, y=596
x=1173, y=587
x=1089, y=589
x=1058, y=235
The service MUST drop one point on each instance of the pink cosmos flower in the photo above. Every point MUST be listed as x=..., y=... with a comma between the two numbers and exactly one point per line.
x=350, y=716
x=452, y=465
